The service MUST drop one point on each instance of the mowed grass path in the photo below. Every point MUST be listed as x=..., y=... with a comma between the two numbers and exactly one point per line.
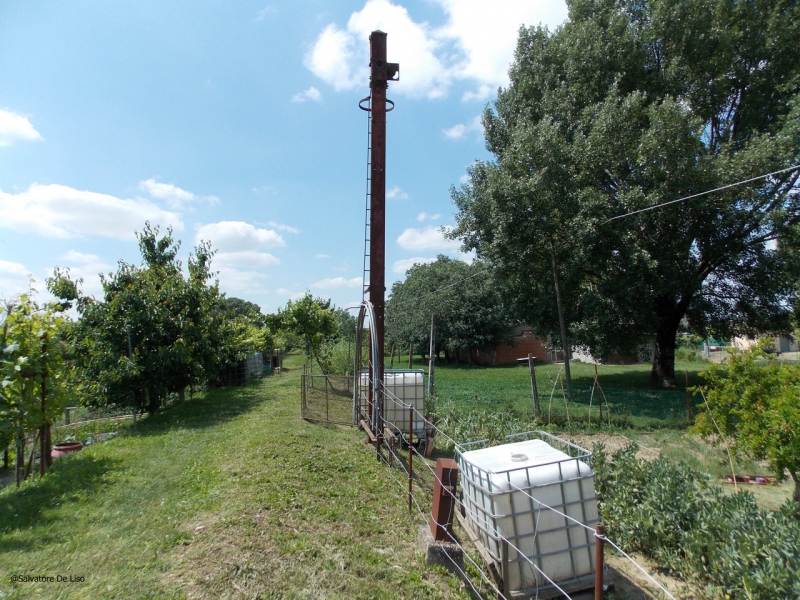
x=229, y=496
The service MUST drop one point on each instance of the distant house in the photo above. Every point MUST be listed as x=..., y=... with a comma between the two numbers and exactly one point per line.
x=524, y=342
x=777, y=343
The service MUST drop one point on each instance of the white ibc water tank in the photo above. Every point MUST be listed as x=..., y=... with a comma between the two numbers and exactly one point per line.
x=498, y=483
x=402, y=387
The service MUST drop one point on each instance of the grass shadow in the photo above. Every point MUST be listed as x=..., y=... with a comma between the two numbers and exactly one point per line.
x=34, y=505
x=213, y=408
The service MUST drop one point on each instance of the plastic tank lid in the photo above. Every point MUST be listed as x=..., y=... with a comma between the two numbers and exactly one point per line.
x=498, y=459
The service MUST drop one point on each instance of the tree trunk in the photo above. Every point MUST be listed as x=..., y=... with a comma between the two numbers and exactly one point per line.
x=181, y=395
x=562, y=322
x=669, y=319
x=796, y=494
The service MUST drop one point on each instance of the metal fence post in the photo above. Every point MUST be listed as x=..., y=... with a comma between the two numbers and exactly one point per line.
x=410, y=454
x=504, y=567
x=600, y=532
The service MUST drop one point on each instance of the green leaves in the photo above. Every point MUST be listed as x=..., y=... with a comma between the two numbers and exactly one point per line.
x=753, y=402
x=626, y=106
x=668, y=512
x=464, y=298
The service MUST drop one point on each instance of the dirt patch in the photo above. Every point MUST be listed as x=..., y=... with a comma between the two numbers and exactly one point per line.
x=612, y=442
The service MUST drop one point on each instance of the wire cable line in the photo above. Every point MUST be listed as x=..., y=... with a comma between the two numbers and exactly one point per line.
x=724, y=187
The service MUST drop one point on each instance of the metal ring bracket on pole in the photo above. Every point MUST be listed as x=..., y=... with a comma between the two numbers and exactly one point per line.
x=389, y=102
x=360, y=102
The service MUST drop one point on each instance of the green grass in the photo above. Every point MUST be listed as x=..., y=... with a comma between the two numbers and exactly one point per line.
x=229, y=495
x=633, y=402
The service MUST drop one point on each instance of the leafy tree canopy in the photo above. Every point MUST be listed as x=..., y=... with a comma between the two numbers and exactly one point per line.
x=155, y=331
x=626, y=106
x=469, y=312
x=311, y=319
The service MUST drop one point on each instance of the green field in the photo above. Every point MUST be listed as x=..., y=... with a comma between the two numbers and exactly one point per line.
x=229, y=495
x=626, y=389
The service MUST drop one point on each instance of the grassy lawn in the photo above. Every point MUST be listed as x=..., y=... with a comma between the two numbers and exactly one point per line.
x=632, y=400
x=229, y=495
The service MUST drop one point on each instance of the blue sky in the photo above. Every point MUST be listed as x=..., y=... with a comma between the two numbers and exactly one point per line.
x=238, y=123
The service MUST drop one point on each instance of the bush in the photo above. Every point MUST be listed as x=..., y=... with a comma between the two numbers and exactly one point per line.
x=670, y=513
x=336, y=357
x=689, y=355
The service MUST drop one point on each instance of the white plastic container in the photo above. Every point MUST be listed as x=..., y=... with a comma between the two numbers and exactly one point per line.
x=402, y=387
x=498, y=483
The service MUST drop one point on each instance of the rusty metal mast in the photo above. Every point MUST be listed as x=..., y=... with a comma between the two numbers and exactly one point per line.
x=381, y=73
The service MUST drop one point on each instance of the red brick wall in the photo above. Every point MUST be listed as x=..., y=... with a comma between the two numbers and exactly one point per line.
x=523, y=344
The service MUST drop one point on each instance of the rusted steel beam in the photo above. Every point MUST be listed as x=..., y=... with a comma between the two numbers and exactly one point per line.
x=381, y=73
x=443, y=512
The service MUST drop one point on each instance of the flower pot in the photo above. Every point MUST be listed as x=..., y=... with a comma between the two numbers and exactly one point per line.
x=65, y=448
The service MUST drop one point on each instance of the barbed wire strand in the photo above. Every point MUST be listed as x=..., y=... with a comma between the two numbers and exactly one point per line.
x=499, y=534
x=405, y=406
x=463, y=550
x=621, y=551
x=505, y=539
x=724, y=187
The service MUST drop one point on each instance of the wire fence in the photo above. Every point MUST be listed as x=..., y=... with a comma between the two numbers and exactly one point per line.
x=420, y=493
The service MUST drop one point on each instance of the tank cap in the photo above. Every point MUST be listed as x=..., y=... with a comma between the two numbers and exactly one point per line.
x=518, y=457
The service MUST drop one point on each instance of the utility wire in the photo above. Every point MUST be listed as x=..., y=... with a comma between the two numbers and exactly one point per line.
x=724, y=187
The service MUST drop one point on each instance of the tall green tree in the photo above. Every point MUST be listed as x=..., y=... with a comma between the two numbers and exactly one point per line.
x=311, y=319
x=469, y=311
x=35, y=380
x=155, y=331
x=625, y=106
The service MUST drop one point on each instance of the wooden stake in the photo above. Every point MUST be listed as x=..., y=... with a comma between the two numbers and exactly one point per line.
x=600, y=532
x=599, y=400
x=432, y=360
x=688, y=400
x=536, y=410
x=410, y=454
x=410, y=356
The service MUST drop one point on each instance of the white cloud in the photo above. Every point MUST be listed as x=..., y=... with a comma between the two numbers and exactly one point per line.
x=403, y=265
x=87, y=267
x=15, y=127
x=13, y=279
x=174, y=196
x=423, y=216
x=456, y=132
x=282, y=227
x=235, y=281
x=240, y=244
x=79, y=257
x=340, y=56
x=481, y=94
x=485, y=35
x=246, y=258
x=265, y=12
x=311, y=93
x=476, y=44
x=291, y=295
x=63, y=212
x=464, y=178
x=430, y=238
x=337, y=282
x=396, y=194
x=322, y=256
x=237, y=236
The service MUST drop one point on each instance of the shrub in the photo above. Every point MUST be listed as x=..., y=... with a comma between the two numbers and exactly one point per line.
x=669, y=512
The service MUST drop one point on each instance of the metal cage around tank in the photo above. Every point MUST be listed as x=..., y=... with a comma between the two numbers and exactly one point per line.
x=525, y=506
